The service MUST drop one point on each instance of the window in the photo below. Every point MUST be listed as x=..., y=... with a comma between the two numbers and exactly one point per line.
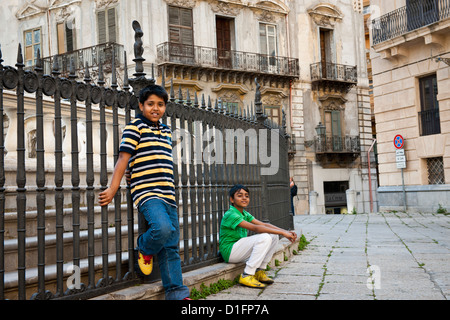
x=224, y=38
x=429, y=120
x=273, y=113
x=326, y=54
x=66, y=36
x=333, y=128
x=180, y=26
x=421, y=12
x=435, y=170
x=32, y=45
x=232, y=107
x=106, y=25
x=181, y=35
x=268, y=44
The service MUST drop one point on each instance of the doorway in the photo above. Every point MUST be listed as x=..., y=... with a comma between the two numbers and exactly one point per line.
x=224, y=38
x=335, y=196
x=326, y=52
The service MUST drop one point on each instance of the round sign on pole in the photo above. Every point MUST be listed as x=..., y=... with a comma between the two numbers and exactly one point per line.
x=398, y=141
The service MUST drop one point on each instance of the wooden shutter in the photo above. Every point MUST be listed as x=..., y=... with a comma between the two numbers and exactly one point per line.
x=101, y=26
x=106, y=22
x=180, y=25
x=336, y=130
x=70, y=46
x=112, y=25
x=263, y=38
x=61, y=42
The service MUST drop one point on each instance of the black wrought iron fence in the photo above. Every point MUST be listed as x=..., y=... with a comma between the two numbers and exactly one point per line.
x=55, y=241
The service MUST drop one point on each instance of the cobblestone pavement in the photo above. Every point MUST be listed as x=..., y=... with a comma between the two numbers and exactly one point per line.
x=379, y=256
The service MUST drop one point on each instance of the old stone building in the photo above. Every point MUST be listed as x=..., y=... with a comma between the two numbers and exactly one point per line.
x=330, y=115
x=410, y=61
x=308, y=56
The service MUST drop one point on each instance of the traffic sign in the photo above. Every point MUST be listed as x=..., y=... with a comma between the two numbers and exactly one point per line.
x=400, y=158
x=401, y=165
x=398, y=141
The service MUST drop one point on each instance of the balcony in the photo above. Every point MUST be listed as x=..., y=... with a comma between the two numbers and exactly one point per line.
x=415, y=15
x=332, y=76
x=340, y=150
x=429, y=122
x=206, y=59
x=92, y=56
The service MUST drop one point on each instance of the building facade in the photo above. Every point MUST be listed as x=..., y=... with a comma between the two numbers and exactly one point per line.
x=411, y=77
x=330, y=112
x=308, y=57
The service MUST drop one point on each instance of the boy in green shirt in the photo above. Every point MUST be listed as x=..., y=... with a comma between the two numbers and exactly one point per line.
x=257, y=250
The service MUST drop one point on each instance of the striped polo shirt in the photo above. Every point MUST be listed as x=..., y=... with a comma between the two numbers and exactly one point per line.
x=151, y=162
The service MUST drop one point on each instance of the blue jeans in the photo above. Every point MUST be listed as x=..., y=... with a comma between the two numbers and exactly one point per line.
x=161, y=240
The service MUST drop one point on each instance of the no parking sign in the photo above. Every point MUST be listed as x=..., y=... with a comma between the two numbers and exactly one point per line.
x=398, y=141
x=400, y=152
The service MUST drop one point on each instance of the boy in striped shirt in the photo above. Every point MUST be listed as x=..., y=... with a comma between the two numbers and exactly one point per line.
x=147, y=147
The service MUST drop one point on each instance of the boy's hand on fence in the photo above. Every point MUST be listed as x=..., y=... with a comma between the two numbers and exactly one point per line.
x=106, y=196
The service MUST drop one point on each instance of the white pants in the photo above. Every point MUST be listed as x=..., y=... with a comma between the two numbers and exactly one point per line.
x=257, y=250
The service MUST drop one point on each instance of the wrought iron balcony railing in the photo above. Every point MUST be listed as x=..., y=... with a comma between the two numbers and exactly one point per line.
x=183, y=54
x=333, y=72
x=92, y=56
x=337, y=144
x=429, y=122
x=414, y=15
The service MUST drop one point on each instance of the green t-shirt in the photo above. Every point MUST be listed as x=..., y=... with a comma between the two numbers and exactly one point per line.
x=230, y=233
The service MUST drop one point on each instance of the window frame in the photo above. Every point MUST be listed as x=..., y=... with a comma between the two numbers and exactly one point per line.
x=271, y=116
x=180, y=25
x=65, y=37
x=32, y=45
x=108, y=33
x=271, y=59
x=428, y=116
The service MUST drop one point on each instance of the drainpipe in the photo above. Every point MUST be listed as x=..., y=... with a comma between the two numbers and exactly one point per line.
x=370, y=176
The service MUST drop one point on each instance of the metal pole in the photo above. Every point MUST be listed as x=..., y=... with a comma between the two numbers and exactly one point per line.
x=370, y=175
x=404, y=194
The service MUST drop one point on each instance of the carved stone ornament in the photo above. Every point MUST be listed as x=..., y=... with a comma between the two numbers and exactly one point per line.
x=182, y=3
x=35, y=7
x=228, y=9
x=325, y=15
x=265, y=16
x=271, y=100
x=101, y=4
x=333, y=105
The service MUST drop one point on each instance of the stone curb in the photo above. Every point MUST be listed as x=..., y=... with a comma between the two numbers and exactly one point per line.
x=194, y=278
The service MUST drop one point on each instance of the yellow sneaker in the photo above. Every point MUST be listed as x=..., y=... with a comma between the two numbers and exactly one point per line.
x=261, y=276
x=250, y=281
x=145, y=263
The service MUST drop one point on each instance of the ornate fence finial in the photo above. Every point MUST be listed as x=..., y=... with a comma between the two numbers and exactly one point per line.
x=39, y=64
x=139, y=81
x=113, y=70
x=138, y=49
x=125, y=73
x=1, y=60
x=72, y=74
x=19, y=63
x=87, y=74
x=260, y=116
